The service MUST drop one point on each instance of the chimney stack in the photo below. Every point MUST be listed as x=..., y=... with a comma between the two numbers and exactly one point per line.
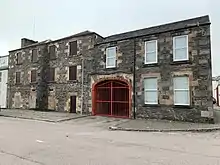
x=26, y=42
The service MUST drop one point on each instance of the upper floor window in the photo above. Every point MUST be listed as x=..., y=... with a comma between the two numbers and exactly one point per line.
x=51, y=74
x=180, y=48
x=34, y=56
x=72, y=72
x=181, y=90
x=19, y=58
x=33, y=76
x=52, y=52
x=73, y=48
x=18, y=77
x=111, y=57
x=151, y=52
x=150, y=91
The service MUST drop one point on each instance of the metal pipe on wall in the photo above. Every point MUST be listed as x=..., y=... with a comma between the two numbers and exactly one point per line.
x=82, y=94
x=134, y=83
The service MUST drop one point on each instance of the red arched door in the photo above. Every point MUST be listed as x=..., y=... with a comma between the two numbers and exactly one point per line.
x=111, y=98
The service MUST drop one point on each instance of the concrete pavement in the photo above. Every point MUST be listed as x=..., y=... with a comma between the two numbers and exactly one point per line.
x=86, y=141
x=151, y=125
x=39, y=115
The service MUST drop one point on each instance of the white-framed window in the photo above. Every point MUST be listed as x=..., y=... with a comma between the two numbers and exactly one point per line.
x=181, y=90
x=151, y=52
x=150, y=91
x=180, y=48
x=111, y=57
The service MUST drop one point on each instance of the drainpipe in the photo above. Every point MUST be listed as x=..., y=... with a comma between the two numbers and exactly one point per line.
x=82, y=93
x=134, y=83
x=217, y=95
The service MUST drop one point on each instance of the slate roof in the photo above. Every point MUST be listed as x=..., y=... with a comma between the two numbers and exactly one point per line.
x=158, y=29
x=32, y=45
x=84, y=33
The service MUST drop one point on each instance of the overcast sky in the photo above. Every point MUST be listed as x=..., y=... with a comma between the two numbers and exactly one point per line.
x=60, y=18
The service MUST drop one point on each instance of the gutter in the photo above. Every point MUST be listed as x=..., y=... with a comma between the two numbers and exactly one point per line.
x=154, y=33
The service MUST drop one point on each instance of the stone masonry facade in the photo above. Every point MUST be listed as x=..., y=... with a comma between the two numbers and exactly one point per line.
x=130, y=66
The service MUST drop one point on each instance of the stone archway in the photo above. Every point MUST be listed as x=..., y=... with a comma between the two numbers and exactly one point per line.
x=111, y=98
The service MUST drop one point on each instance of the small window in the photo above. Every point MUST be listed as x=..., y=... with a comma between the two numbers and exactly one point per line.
x=73, y=48
x=52, y=52
x=18, y=77
x=34, y=56
x=0, y=76
x=72, y=72
x=180, y=48
x=33, y=76
x=181, y=91
x=151, y=52
x=111, y=57
x=19, y=58
x=150, y=91
x=51, y=74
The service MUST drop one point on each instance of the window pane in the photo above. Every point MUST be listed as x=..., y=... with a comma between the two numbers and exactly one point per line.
x=52, y=52
x=17, y=77
x=181, y=83
x=150, y=97
x=111, y=52
x=34, y=55
x=72, y=72
x=150, y=83
x=180, y=54
x=181, y=97
x=180, y=42
x=150, y=46
x=151, y=57
x=73, y=48
x=33, y=75
x=19, y=58
x=110, y=62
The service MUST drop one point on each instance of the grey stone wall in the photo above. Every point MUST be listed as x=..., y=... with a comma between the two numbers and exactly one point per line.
x=198, y=68
x=122, y=71
x=92, y=52
x=51, y=95
x=19, y=94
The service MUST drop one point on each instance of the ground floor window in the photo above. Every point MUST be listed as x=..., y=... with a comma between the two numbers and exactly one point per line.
x=150, y=91
x=181, y=90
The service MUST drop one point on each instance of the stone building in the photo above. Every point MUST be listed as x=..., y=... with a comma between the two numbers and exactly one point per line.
x=158, y=72
x=3, y=81
x=48, y=75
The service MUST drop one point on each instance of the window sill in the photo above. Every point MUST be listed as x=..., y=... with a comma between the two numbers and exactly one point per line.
x=113, y=67
x=35, y=82
x=72, y=55
x=34, y=62
x=182, y=106
x=151, y=105
x=150, y=64
x=180, y=62
x=72, y=81
x=51, y=81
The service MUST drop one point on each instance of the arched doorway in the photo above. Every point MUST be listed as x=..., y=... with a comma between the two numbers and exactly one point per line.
x=111, y=98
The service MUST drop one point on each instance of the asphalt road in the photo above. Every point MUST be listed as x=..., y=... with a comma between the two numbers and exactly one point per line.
x=86, y=141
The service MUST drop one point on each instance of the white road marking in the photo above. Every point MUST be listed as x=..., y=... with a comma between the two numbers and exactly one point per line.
x=39, y=141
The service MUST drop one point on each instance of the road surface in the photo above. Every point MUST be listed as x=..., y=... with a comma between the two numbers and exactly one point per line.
x=87, y=141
